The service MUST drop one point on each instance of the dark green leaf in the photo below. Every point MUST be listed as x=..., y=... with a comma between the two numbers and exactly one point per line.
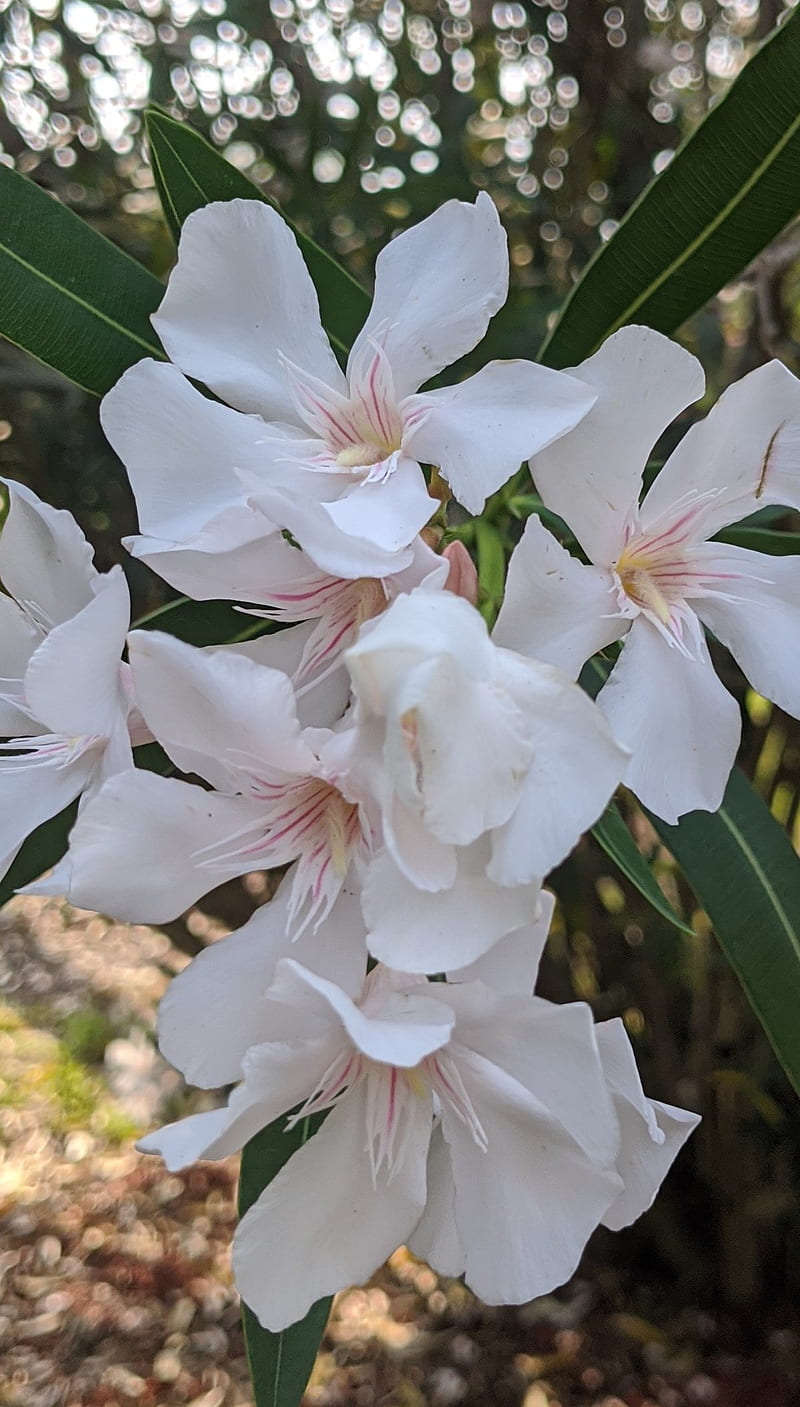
x=189, y=174
x=613, y=835
x=67, y=295
x=730, y=188
x=204, y=622
x=763, y=540
x=280, y=1364
x=745, y=873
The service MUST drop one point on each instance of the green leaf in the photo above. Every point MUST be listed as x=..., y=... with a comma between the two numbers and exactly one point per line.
x=280, y=1364
x=745, y=873
x=68, y=295
x=730, y=189
x=490, y=543
x=204, y=622
x=762, y=540
x=189, y=174
x=613, y=835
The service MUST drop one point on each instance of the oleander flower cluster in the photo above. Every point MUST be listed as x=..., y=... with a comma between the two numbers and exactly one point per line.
x=415, y=775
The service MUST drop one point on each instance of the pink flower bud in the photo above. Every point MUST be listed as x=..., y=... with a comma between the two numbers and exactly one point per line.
x=462, y=579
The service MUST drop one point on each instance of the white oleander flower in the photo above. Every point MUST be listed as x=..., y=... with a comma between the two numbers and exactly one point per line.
x=331, y=456
x=489, y=1130
x=65, y=704
x=487, y=767
x=654, y=577
x=148, y=846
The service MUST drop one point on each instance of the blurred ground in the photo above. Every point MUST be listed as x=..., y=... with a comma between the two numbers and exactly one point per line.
x=115, y=1286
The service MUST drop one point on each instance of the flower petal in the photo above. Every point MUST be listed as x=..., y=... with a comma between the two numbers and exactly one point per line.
x=743, y=456
x=31, y=792
x=323, y=1223
x=181, y=450
x=142, y=824
x=435, y=1238
x=45, y=560
x=409, y=1022
x=437, y=285
x=73, y=682
x=679, y=722
x=230, y=559
x=576, y=767
x=388, y=513
x=277, y=1076
x=593, y=476
x=206, y=1038
x=18, y=639
x=239, y=299
x=756, y=614
x=552, y=1051
x=525, y=1207
x=511, y=965
x=417, y=931
x=479, y=431
x=556, y=609
x=652, y=1133
x=216, y=712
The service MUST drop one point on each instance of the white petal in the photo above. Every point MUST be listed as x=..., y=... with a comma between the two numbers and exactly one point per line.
x=277, y=1076
x=228, y=560
x=427, y=863
x=73, y=681
x=418, y=931
x=443, y=714
x=576, y=767
x=652, y=1133
x=18, y=639
x=512, y=964
x=435, y=1239
x=216, y=712
x=322, y=702
x=409, y=1022
x=679, y=722
x=181, y=450
x=32, y=792
x=142, y=825
x=206, y=1038
x=388, y=513
x=593, y=476
x=552, y=1051
x=437, y=285
x=479, y=431
x=322, y=1223
x=556, y=609
x=526, y=1207
x=45, y=560
x=239, y=298
x=337, y=535
x=744, y=455
x=760, y=624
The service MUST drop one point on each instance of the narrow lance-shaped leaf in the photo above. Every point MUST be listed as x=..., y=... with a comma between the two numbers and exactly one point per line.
x=743, y=869
x=280, y=1364
x=68, y=295
x=730, y=189
x=612, y=834
x=746, y=874
x=189, y=174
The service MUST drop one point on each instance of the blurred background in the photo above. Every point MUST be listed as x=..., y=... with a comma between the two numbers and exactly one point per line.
x=358, y=119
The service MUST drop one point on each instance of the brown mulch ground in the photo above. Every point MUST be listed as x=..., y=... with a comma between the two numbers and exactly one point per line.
x=115, y=1277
